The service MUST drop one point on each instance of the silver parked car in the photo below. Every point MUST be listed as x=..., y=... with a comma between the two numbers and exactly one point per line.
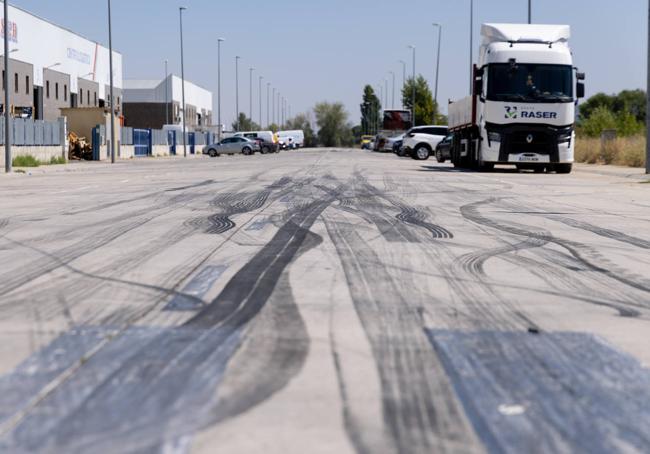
x=232, y=145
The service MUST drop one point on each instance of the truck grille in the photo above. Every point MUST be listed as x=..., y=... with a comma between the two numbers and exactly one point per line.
x=529, y=142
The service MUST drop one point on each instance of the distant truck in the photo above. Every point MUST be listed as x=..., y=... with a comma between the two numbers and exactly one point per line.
x=522, y=109
x=395, y=123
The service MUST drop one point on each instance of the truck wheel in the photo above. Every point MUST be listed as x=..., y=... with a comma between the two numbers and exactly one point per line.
x=421, y=153
x=563, y=168
x=439, y=157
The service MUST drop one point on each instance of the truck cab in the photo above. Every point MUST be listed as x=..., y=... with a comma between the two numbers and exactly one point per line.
x=522, y=111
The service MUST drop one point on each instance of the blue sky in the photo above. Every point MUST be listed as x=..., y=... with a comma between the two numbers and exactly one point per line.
x=326, y=50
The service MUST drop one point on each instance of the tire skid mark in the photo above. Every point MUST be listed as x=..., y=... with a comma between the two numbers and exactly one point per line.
x=606, y=233
x=582, y=253
x=420, y=411
x=193, y=186
x=183, y=366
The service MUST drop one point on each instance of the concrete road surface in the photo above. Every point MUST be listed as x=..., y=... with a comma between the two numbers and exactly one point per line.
x=323, y=301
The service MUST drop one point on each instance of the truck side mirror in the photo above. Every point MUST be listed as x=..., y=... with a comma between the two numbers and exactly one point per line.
x=580, y=90
x=478, y=86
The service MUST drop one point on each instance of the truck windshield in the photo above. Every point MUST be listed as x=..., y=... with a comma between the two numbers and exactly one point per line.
x=525, y=82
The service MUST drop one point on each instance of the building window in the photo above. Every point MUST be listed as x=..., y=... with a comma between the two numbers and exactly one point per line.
x=65, y=92
x=81, y=96
x=88, y=97
x=26, y=85
x=95, y=99
x=56, y=91
x=47, y=89
x=16, y=82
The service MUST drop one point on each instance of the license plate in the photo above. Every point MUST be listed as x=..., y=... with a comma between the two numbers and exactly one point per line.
x=528, y=159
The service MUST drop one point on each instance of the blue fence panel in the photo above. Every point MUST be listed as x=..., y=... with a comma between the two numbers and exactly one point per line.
x=39, y=132
x=19, y=131
x=56, y=133
x=142, y=142
x=47, y=133
x=29, y=132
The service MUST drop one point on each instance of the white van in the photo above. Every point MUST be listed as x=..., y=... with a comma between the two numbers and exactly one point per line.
x=270, y=144
x=292, y=139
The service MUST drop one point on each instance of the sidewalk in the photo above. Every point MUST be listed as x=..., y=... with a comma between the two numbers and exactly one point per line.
x=634, y=173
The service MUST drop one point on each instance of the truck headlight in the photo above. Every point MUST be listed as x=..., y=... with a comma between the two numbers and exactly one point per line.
x=565, y=137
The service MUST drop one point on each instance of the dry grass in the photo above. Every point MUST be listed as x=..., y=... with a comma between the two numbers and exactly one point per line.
x=624, y=151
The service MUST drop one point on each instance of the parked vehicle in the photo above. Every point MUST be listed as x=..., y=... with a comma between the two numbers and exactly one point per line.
x=522, y=107
x=297, y=137
x=420, y=142
x=232, y=145
x=389, y=143
x=268, y=145
x=365, y=142
x=443, y=149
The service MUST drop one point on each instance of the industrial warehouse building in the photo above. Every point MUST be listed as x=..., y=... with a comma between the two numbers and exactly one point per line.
x=155, y=103
x=53, y=68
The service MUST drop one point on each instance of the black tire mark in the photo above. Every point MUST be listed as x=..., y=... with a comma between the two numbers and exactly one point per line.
x=410, y=215
x=193, y=186
x=420, y=410
x=577, y=250
x=606, y=233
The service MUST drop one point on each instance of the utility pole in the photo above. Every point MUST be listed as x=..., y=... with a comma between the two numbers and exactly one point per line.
x=166, y=94
x=219, y=41
x=403, y=78
x=530, y=11
x=647, y=153
x=237, y=58
x=413, y=87
x=250, y=109
x=260, y=96
x=110, y=64
x=392, y=73
x=437, y=68
x=6, y=88
x=471, y=47
x=273, y=106
x=181, y=9
x=268, y=89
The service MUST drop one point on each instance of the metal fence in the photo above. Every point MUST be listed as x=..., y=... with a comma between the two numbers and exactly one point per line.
x=159, y=137
x=127, y=136
x=27, y=132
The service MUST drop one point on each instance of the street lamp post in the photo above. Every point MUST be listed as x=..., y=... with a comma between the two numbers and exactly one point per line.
x=237, y=58
x=277, y=105
x=166, y=94
x=413, y=88
x=273, y=105
x=110, y=64
x=6, y=88
x=268, y=90
x=250, y=109
x=219, y=41
x=403, y=77
x=530, y=11
x=471, y=48
x=260, y=96
x=647, y=153
x=181, y=9
x=392, y=73
x=439, y=26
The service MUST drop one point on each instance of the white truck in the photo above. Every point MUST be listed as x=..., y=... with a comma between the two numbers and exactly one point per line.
x=522, y=109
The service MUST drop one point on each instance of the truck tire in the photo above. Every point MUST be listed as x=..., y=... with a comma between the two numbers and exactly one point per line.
x=439, y=157
x=563, y=168
x=421, y=152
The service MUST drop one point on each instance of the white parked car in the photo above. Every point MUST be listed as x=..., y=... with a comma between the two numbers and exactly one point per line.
x=421, y=142
x=297, y=138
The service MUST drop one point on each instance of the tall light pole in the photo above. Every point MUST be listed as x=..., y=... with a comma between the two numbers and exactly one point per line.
x=392, y=73
x=237, y=58
x=6, y=88
x=219, y=41
x=647, y=153
x=403, y=78
x=166, y=94
x=277, y=104
x=250, y=109
x=413, y=87
x=273, y=105
x=530, y=11
x=268, y=90
x=181, y=9
x=471, y=47
x=260, y=96
x=110, y=65
x=435, y=96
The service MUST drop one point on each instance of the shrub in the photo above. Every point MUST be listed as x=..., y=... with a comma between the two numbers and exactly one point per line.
x=57, y=160
x=25, y=161
x=624, y=151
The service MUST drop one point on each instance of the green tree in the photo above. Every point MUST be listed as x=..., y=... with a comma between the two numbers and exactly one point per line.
x=244, y=123
x=333, y=127
x=600, y=119
x=425, y=106
x=370, y=111
x=633, y=102
x=303, y=122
